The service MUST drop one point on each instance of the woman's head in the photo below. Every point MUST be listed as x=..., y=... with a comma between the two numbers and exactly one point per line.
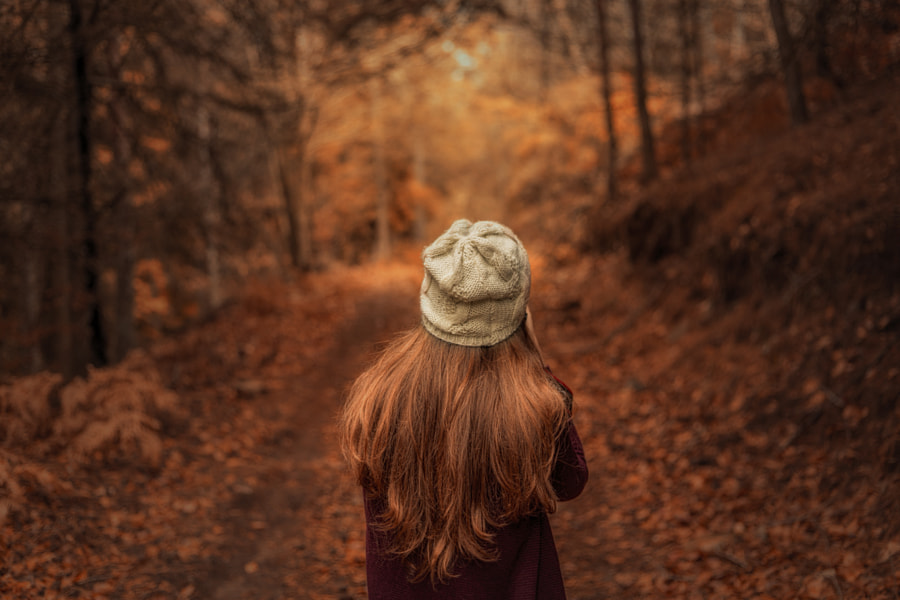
x=476, y=285
x=453, y=429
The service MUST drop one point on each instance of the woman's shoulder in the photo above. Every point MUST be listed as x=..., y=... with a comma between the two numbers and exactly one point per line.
x=560, y=385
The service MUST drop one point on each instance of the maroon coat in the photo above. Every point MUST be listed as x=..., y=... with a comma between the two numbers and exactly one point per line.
x=528, y=567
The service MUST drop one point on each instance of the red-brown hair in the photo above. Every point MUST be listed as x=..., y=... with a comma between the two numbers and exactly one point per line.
x=454, y=442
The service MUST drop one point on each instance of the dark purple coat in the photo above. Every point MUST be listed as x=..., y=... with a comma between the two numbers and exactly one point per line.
x=528, y=567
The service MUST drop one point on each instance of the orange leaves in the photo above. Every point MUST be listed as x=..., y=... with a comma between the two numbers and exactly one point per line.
x=717, y=477
x=702, y=485
x=824, y=584
x=889, y=551
x=26, y=408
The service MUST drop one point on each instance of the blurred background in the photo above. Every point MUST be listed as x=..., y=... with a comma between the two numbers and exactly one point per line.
x=211, y=212
x=158, y=155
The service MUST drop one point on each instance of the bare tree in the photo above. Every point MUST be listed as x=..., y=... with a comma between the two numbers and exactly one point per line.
x=823, y=13
x=545, y=24
x=687, y=34
x=648, y=154
x=606, y=93
x=122, y=333
x=697, y=16
x=91, y=80
x=382, y=202
x=790, y=64
x=84, y=150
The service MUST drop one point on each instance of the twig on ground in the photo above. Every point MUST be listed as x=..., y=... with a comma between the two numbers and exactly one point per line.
x=733, y=560
x=832, y=578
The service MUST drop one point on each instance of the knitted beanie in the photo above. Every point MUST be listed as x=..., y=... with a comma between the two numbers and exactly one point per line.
x=476, y=285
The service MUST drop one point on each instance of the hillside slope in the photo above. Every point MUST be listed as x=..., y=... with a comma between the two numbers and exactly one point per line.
x=737, y=341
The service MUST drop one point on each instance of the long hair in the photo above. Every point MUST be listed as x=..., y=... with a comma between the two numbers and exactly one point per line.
x=453, y=442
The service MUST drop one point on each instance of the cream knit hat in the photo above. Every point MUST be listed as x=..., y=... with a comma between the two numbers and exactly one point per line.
x=476, y=286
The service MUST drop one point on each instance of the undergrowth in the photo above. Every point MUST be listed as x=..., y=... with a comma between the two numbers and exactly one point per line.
x=112, y=417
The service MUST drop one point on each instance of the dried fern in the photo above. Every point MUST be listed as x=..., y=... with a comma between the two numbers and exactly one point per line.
x=25, y=408
x=115, y=412
x=11, y=493
x=124, y=432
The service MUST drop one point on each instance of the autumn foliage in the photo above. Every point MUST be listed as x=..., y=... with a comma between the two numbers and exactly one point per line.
x=731, y=330
x=742, y=431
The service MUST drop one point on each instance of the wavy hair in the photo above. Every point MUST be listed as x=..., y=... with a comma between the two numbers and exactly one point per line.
x=453, y=442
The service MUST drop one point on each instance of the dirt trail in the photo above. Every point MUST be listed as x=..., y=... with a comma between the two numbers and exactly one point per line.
x=681, y=490
x=286, y=535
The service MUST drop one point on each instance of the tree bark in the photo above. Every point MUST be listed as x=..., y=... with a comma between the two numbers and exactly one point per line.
x=738, y=42
x=211, y=218
x=606, y=93
x=62, y=264
x=420, y=224
x=686, y=34
x=545, y=12
x=697, y=24
x=308, y=193
x=97, y=350
x=790, y=65
x=59, y=250
x=31, y=298
x=286, y=191
x=822, y=44
x=298, y=247
x=306, y=125
x=382, y=248
x=124, y=336
x=648, y=154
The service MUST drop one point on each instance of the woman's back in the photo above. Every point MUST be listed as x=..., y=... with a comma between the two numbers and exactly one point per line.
x=461, y=440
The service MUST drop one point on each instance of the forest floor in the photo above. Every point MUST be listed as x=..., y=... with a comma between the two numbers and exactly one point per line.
x=739, y=414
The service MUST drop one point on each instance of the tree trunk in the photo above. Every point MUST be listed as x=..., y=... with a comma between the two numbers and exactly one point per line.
x=31, y=298
x=62, y=264
x=291, y=200
x=382, y=247
x=545, y=12
x=822, y=44
x=738, y=42
x=420, y=224
x=606, y=93
x=97, y=351
x=309, y=114
x=648, y=155
x=308, y=193
x=790, y=65
x=60, y=355
x=286, y=191
x=124, y=336
x=211, y=218
x=33, y=308
x=697, y=24
x=686, y=35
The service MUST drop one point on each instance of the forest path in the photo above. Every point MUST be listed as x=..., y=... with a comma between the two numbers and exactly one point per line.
x=292, y=522
x=682, y=477
x=295, y=516
x=699, y=488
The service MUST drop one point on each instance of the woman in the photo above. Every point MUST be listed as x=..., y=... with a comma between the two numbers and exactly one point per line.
x=461, y=438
